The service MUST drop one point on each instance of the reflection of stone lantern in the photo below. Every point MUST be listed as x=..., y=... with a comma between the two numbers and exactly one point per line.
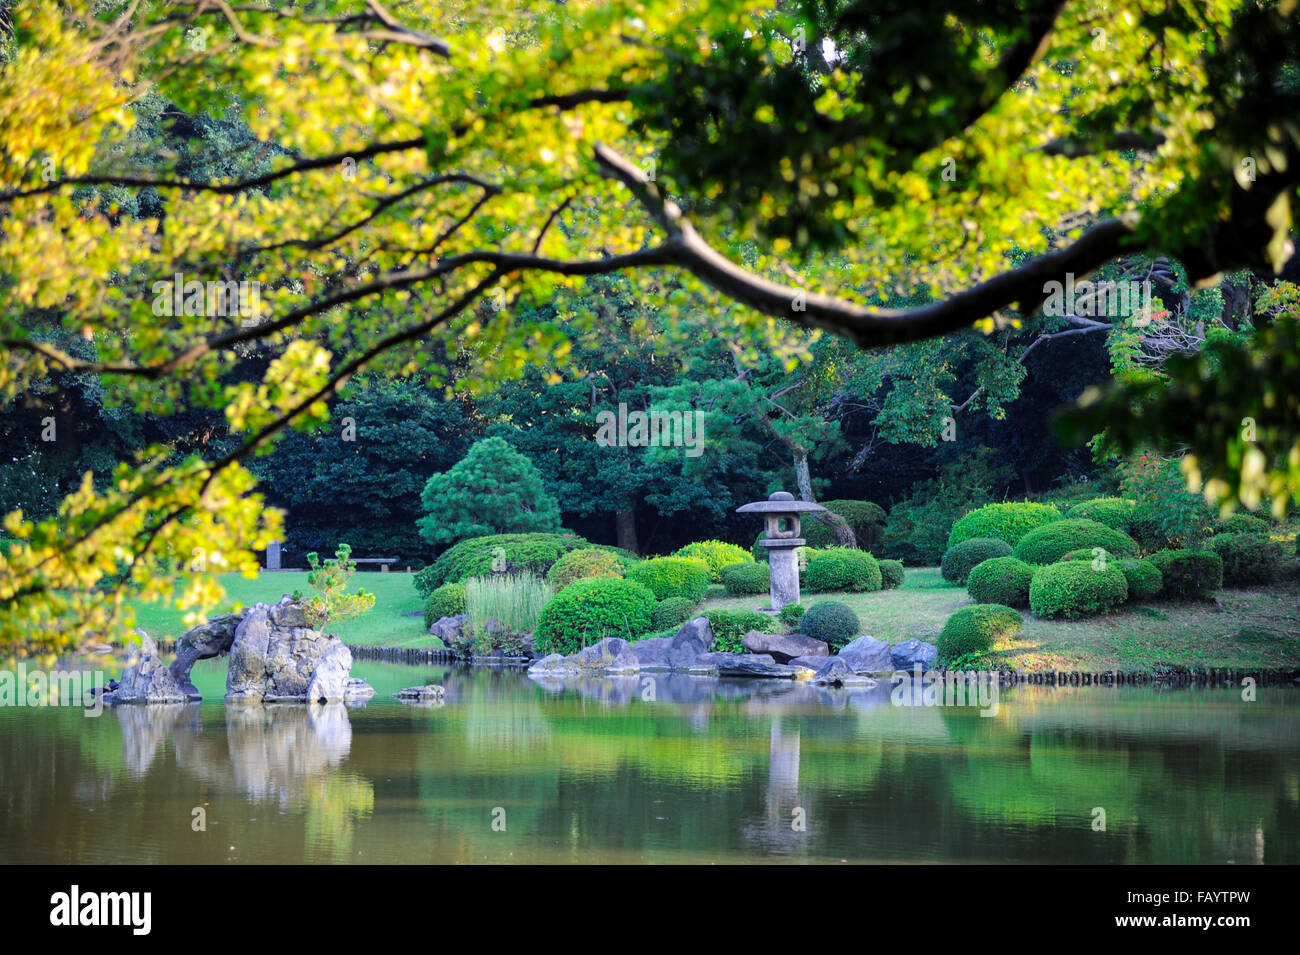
x=781, y=516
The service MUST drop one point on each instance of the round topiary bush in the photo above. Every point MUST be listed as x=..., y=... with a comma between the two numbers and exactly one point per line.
x=960, y=559
x=583, y=563
x=1007, y=522
x=1248, y=558
x=1000, y=580
x=1188, y=573
x=449, y=600
x=865, y=518
x=672, y=612
x=975, y=629
x=1144, y=578
x=1074, y=589
x=717, y=555
x=503, y=554
x=1089, y=553
x=831, y=622
x=672, y=577
x=742, y=580
x=588, y=611
x=1048, y=544
x=842, y=568
x=892, y=574
x=792, y=614
x=1244, y=524
x=1114, y=512
x=730, y=626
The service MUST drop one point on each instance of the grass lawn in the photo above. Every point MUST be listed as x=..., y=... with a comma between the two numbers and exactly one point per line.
x=385, y=626
x=1132, y=639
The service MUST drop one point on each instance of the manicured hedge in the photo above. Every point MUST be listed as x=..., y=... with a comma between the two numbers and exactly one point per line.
x=588, y=611
x=741, y=580
x=960, y=559
x=1248, y=558
x=449, y=600
x=1048, y=544
x=672, y=577
x=830, y=621
x=1244, y=524
x=502, y=553
x=1073, y=589
x=792, y=614
x=1144, y=578
x=1189, y=573
x=1114, y=512
x=892, y=574
x=1000, y=580
x=1089, y=554
x=975, y=629
x=672, y=612
x=866, y=519
x=583, y=563
x=730, y=626
x=717, y=555
x=1008, y=522
x=842, y=568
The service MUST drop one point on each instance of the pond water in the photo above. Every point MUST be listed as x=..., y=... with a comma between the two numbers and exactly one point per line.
x=705, y=771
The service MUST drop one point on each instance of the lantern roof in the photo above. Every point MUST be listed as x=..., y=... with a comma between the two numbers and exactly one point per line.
x=782, y=502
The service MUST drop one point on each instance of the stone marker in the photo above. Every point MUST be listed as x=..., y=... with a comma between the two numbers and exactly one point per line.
x=273, y=555
x=781, y=516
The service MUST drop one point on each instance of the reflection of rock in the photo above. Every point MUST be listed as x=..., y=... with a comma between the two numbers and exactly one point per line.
x=144, y=728
x=277, y=751
x=784, y=647
x=431, y=695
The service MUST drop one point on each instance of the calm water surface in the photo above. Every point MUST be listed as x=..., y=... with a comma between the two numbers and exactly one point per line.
x=709, y=771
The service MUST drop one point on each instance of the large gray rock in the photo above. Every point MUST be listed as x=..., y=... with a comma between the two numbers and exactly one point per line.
x=599, y=655
x=837, y=671
x=741, y=664
x=909, y=653
x=246, y=676
x=784, y=647
x=146, y=680
x=448, y=629
x=329, y=681
x=867, y=655
x=694, y=637
x=653, y=653
x=552, y=663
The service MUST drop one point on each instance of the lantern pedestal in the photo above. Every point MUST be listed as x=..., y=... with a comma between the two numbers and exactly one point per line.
x=783, y=576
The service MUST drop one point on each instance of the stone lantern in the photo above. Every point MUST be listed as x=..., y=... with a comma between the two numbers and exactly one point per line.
x=781, y=516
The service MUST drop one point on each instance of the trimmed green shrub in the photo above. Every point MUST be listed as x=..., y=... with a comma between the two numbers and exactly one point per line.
x=1240, y=523
x=717, y=555
x=1000, y=580
x=425, y=581
x=975, y=629
x=502, y=554
x=583, y=563
x=730, y=626
x=831, y=622
x=1248, y=558
x=1144, y=578
x=1189, y=573
x=892, y=574
x=1007, y=522
x=672, y=612
x=961, y=558
x=1048, y=544
x=1073, y=589
x=842, y=568
x=588, y=611
x=792, y=614
x=449, y=600
x=1088, y=553
x=742, y=580
x=672, y=577
x=865, y=518
x=1115, y=512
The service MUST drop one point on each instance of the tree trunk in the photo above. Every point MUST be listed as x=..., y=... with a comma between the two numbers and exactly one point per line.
x=802, y=477
x=625, y=520
x=839, y=525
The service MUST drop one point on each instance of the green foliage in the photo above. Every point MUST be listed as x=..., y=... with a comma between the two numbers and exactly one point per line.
x=892, y=574
x=865, y=518
x=1088, y=553
x=919, y=525
x=449, y=600
x=1076, y=589
x=1144, y=578
x=741, y=580
x=842, y=568
x=588, y=611
x=1114, y=512
x=516, y=600
x=1189, y=574
x=672, y=612
x=730, y=626
x=425, y=580
x=960, y=559
x=792, y=615
x=1248, y=558
x=1048, y=544
x=1000, y=580
x=1007, y=522
x=581, y=563
x=330, y=581
x=492, y=490
x=1166, y=515
x=832, y=622
x=501, y=554
x=1240, y=523
x=672, y=577
x=975, y=629
x=717, y=555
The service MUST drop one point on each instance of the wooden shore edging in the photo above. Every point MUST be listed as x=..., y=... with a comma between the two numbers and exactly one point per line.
x=402, y=655
x=1214, y=676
